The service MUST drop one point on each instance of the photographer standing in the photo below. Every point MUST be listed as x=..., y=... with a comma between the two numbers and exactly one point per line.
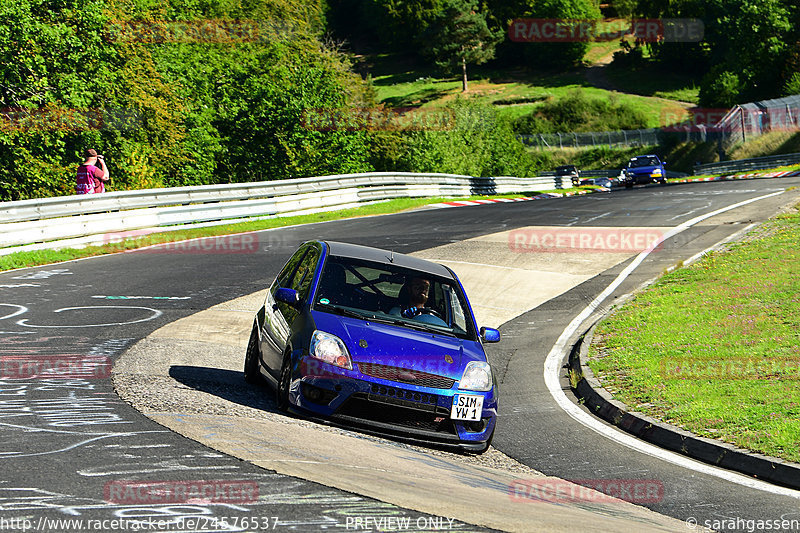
x=91, y=179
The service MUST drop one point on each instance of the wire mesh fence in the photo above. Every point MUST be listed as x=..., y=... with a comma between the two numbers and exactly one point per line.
x=727, y=127
x=643, y=137
x=748, y=121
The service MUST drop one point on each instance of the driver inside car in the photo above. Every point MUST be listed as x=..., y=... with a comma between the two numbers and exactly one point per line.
x=413, y=297
x=418, y=291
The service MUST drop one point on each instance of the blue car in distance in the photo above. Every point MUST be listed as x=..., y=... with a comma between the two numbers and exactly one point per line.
x=378, y=341
x=644, y=169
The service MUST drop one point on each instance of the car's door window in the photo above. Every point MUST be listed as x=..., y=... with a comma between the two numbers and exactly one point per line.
x=297, y=274
x=301, y=282
x=459, y=317
x=285, y=276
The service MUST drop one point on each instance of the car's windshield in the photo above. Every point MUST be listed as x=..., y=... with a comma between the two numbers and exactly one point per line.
x=643, y=162
x=385, y=293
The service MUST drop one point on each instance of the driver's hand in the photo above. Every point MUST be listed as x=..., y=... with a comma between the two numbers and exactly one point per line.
x=411, y=312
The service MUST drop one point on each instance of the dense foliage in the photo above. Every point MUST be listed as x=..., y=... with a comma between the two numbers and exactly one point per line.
x=411, y=25
x=208, y=92
x=168, y=105
x=750, y=49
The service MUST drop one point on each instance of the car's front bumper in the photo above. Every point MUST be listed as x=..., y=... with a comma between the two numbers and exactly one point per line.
x=388, y=407
x=649, y=177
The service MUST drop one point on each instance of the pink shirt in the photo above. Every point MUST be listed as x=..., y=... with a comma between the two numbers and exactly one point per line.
x=84, y=183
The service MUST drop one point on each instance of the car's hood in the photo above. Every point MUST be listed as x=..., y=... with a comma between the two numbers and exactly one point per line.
x=643, y=170
x=373, y=342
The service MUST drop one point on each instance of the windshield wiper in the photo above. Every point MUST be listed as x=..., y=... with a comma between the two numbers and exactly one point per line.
x=346, y=312
x=419, y=326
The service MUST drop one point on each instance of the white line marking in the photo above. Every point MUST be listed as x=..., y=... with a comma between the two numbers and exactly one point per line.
x=103, y=297
x=20, y=309
x=552, y=366
x=156, y=314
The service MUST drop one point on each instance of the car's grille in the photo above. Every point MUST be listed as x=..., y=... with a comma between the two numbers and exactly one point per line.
x=404, y=375
x=376, y=409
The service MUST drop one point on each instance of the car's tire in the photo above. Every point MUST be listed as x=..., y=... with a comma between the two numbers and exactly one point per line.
x=251, y=363
x=629, y=185
x=284, y=381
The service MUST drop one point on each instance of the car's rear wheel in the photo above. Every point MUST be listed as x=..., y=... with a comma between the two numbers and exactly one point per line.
x=284, y=380
x=251, y=373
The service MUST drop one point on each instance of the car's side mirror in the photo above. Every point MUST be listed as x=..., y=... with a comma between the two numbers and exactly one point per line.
x=288, y=296
x=490, y=335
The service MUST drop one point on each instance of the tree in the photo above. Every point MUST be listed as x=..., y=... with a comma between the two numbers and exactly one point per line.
x=460, y=36
x=565, y=54
x=745, y=47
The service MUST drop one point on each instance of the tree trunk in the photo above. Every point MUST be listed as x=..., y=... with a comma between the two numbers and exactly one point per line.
x=464, y=75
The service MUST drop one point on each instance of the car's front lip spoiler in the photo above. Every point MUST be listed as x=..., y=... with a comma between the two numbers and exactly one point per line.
x=389, y=431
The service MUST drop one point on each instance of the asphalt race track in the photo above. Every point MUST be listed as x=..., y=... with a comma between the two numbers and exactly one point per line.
x=71, y=447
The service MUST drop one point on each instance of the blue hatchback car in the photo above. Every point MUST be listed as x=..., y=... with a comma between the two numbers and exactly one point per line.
x=644, y=169
x=379, y=341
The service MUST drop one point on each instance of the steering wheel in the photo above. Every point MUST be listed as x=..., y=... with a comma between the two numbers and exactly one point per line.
x=430, y=311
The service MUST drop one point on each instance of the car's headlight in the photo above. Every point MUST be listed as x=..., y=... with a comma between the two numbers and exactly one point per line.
x=657, y=171
x=477, y=376
x=331, y=349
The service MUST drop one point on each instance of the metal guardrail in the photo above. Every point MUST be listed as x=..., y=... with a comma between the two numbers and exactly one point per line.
x=744, y=165
x=613, y=173
x=56, y=221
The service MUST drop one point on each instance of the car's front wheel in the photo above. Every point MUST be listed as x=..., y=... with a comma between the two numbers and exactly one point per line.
x=251, y=373
x=284, y=380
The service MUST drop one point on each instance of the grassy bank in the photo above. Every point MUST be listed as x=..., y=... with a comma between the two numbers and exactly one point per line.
x=512, y=93
x=715, y=347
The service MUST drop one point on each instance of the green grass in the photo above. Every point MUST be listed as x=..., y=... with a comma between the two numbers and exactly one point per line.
x=513, y=93
x=652, y=80
x=600, y=50
x=772, y=143
x=44, y=257
x=715, y=347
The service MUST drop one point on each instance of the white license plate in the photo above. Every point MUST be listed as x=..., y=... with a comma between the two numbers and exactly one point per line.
x=466, y=407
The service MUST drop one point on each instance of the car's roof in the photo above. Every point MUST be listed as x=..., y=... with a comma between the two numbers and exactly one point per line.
x=642, y=156
x=377, y=255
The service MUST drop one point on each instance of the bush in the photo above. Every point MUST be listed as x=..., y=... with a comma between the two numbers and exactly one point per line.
x=479, y=144
x=721, y=89
x=577, y=112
